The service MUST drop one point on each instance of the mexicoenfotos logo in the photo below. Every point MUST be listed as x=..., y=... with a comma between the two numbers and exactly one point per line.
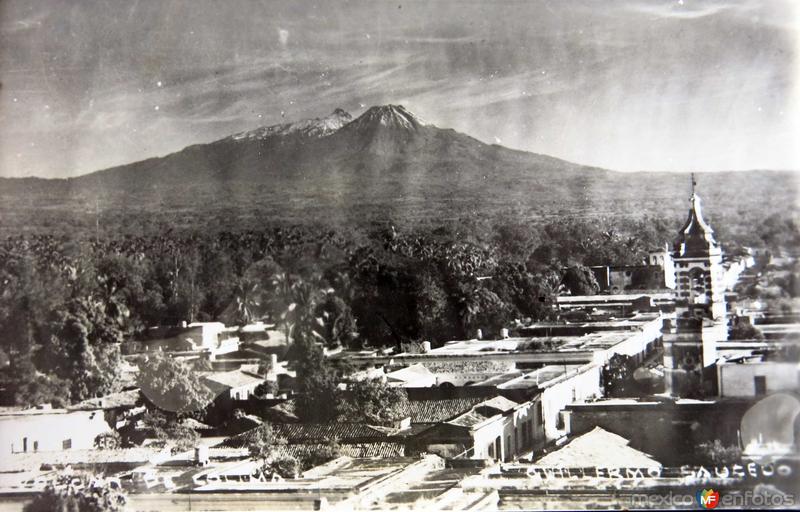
x=707, y=498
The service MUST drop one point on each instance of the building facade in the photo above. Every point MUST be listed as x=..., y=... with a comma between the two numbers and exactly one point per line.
x=46, y=430
x=751, y=379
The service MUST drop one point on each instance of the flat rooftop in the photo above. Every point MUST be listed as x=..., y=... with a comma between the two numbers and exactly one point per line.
x=586, y=342
x=657, y=295
x=540, y=377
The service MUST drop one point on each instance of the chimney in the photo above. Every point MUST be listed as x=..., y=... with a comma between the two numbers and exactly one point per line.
x=479, y=334
x=201, y=457
x=273, y=361
x=184, y=324
x=426, y=347
x=504, y=333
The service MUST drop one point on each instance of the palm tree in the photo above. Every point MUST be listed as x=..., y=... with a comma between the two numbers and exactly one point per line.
x=246, y=301
x=306, y=296
x=468, y=305
x=281, y=301
x=334, y=321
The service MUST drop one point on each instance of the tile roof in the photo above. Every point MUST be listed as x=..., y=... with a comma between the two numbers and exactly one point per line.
x=304, y=433
x=468, y=419
x=112, y=401
x=599, y=448
x=499, y=403
x=414, y=429
x=438, y=410
x=355, y=450
x=483, y=411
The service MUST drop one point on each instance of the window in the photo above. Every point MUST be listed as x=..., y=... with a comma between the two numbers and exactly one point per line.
x=24, y=444
x=36, y=446
x=761, y=385
x=66, y=444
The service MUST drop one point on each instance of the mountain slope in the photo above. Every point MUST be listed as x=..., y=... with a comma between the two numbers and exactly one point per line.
x=387, y=164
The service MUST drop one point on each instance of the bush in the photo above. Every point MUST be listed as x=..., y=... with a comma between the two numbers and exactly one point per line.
x=167, y=428
x=108, y=441
x=320, y=455
x=717, y=453
x=267, y=387
x=284, y=465
x=744, y=330
x=78, y=495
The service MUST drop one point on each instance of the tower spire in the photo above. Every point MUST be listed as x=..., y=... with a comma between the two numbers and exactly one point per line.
x=694, y=184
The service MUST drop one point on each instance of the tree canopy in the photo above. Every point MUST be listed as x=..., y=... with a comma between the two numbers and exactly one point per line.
x=172, y=386
x=374, y=402
x=66, y=302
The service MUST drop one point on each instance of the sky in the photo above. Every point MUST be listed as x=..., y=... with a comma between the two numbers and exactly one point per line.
x=630, y=85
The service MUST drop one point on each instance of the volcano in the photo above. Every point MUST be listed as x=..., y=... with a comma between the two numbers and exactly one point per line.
x=387, y=164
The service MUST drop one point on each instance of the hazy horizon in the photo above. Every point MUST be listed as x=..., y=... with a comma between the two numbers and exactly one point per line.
x=632, y=86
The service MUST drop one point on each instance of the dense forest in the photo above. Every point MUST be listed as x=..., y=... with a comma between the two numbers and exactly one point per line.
x=66, y=303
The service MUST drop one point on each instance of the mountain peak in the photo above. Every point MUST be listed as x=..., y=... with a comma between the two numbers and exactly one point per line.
x=392, y=116
x=316, y=127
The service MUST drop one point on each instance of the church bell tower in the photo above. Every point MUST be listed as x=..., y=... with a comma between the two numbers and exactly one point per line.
x=690, y=348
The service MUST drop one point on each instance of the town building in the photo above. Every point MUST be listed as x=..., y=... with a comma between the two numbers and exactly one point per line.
x=753, y=376
x=619, y=305
x=497, y=428
x=212, y=337
x=44, y=429
x=232, y=386
x=656, y=272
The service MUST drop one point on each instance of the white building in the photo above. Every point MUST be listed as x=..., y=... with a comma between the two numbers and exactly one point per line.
x=497, y=428
x=751, y=377
x=233, y=385
x=46, y=429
